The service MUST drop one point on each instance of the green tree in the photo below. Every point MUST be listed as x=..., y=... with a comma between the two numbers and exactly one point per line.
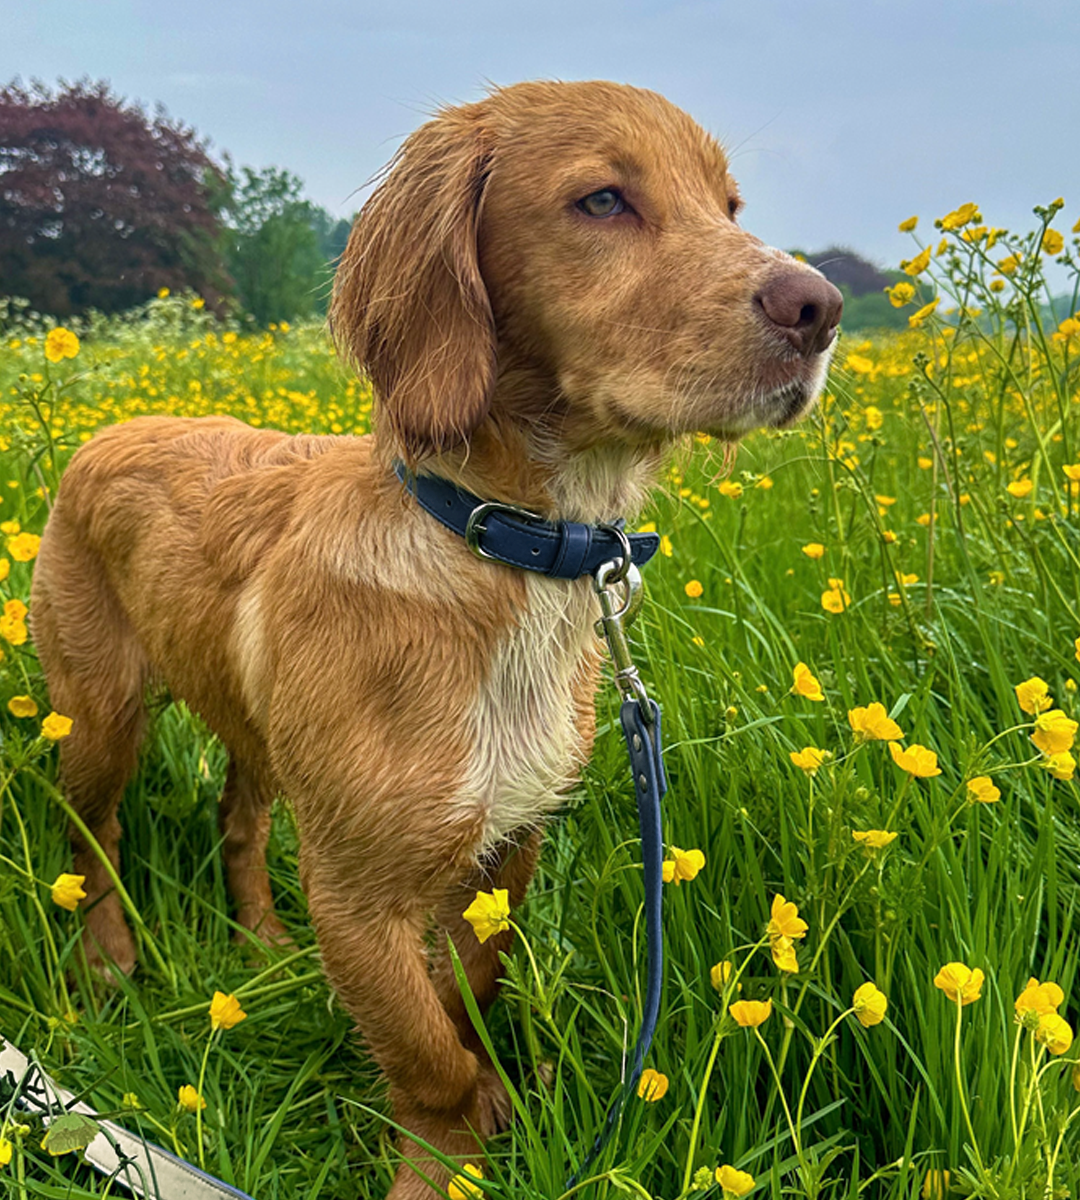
x=274, y=245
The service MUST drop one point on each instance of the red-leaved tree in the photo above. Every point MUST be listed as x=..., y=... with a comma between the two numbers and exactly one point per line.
x=101, y=205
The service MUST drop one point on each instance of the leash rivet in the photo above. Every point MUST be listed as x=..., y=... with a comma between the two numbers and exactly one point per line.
x=637, y=742
x=643, y=781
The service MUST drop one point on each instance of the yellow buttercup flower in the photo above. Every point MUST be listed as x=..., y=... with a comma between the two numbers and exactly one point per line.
x=1020, y=488
x=462, y=1187
x=5, y=1151
x=908, y=226
x=60, y=343
x=23, y=547
x=869, y=1004
x=935, y=1185
x=67, y=891
x=652, y=1085
x=836, y=599
x=1008, y=266
x=734, y=1183
x=813, y=550
x=964, y=215
x=1054, y=1032
x=225, y=1011
x=809, y=758
x=489, y=913
x=189, y=1099
x=873, y=724
x=683, y=865
x=1032, y=695
x=694, y=589
x=1052, y=242
x=1036, y=1001
x=981, y=789
x=916, y=760
x=874, y=839
x=730, y=488
x=960, y=982
x=55, y=727
x=13, y=630
x=918, y=264
x=1061, y=766
x=784, y=920
x=1054, y=732
x=920, y=315
x=22, y=706
x=806, y=683
x=783, y=954
x=900, y=294
x=721, y=973
x=750, y=1013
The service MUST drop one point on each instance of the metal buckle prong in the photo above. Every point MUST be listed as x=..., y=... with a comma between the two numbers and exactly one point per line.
x=473, y=527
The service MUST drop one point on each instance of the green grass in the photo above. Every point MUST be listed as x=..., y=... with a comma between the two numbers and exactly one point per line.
x=295, y=1109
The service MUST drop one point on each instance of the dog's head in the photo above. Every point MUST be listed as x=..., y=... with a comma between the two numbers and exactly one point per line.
x=576, y=244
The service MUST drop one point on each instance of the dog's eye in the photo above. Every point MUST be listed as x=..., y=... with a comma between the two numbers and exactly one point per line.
x=605, y=203
x=734, y=207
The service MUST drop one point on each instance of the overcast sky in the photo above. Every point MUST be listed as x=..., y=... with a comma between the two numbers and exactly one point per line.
x=842, y=117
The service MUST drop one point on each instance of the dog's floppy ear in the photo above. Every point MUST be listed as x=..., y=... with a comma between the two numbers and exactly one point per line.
x=410, y=306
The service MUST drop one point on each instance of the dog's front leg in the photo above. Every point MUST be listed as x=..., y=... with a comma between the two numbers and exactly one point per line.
x=372, y=938
x=509, y=865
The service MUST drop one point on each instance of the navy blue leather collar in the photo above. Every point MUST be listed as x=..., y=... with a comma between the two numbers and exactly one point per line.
x=562, y=550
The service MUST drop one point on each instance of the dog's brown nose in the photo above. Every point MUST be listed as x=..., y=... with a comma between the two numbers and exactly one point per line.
x=803, y=306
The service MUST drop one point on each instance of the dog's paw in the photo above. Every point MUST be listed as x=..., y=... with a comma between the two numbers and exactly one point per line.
x=267, y=928
x=493, y=1106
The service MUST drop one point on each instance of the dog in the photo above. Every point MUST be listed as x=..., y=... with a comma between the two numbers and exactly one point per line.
x=548, y=288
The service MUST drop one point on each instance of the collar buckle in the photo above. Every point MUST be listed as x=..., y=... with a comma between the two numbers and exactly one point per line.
x=474, y=528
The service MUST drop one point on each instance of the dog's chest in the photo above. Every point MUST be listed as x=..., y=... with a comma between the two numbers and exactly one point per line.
x=527, y=747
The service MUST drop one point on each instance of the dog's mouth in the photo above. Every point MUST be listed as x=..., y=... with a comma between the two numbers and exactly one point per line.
x=784, y=394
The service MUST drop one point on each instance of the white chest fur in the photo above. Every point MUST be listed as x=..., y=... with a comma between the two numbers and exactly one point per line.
x=526, y=744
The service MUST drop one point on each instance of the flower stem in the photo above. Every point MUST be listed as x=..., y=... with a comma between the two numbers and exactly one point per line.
x=819, y=1050
x=963, y=1092
x=199, y=1097
x=698, y=1110
x=783, y=1098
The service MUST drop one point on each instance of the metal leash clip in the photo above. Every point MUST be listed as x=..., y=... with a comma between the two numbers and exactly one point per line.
x=617, y=613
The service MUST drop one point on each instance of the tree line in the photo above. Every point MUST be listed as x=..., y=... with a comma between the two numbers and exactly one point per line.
x=102, y=205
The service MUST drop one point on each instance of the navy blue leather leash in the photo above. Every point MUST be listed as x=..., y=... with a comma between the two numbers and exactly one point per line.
x=569, y=550
x=640, y=719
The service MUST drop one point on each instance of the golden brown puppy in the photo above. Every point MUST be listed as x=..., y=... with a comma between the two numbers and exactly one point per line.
x=547, y=288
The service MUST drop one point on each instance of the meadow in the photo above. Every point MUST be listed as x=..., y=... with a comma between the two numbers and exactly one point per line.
x=865, y=637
